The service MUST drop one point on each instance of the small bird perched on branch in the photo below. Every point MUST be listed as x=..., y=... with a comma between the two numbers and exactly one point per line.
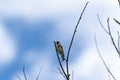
x=59, y=49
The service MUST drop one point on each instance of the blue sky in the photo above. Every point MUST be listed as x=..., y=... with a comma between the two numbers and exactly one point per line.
x=29, y=27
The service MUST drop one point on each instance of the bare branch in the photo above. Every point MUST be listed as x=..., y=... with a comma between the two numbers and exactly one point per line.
x=18, y=77
x=61, y=72
x=102, y=24
x=103, y=60
x=37, y=78
x=118, y=40
x=24, y=72
x=113, y=42
x=60, y=62
x=116, y=21
x=109, y=33
x=73, y=39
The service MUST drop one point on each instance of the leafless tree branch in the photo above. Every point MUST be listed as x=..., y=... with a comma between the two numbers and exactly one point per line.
x=103, y=60
x=68, y=74
x=63, y=71
x=113, y=42
x=102, y=24
x=116, y=21
x=109, y=33
x=18, y=77
x=118, y=41
x=37, y=78
x=24, y=72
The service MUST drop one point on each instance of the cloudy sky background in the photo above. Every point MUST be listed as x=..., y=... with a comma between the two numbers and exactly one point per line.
x=29, y=27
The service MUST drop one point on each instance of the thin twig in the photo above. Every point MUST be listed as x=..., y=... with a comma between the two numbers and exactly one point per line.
x=109, y=33
x=24, y=72
x=18, y=77
x=116, y=21
x=61, y=66
x=73, y=39
x=37, y=78
x=119, y=2
x=118, y=41
x=113, y=42
x=102, y=24
x=60, y=62
x=103, y=60
x=61, y=72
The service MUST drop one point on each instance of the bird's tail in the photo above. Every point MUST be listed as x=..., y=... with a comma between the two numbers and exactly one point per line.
x=63, y=58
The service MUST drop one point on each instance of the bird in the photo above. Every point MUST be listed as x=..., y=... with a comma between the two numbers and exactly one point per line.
x=59, y=49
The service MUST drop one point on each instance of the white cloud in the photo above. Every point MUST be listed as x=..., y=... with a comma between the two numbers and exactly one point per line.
x=85, y=65
x=89, y=65
x=37, y=8
x=7, y=47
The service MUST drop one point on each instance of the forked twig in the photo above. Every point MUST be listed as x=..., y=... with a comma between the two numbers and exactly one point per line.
x=73, y=39
x=102, y=24
x=62, y=71
x=23, y=74
x=109, y=33
x=103, y=60
x=113, y=42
